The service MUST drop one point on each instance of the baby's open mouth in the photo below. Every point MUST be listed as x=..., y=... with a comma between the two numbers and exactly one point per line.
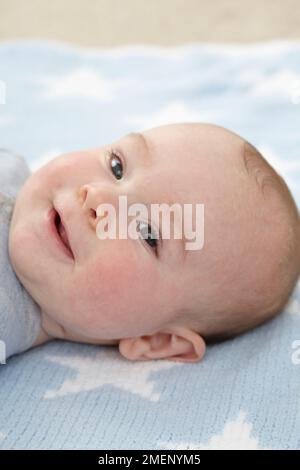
x=62, y=233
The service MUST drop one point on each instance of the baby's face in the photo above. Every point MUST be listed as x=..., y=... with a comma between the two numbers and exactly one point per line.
x=117, y=288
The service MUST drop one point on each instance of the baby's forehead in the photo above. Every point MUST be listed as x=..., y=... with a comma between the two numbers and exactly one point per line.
x=194, y=141
x=194, y=163
x=198, y=155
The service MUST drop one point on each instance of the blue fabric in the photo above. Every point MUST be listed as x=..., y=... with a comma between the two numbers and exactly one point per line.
x=19, y=313
x=245, y=392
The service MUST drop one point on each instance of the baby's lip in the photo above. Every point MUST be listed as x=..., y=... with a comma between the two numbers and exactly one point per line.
x=67, y=241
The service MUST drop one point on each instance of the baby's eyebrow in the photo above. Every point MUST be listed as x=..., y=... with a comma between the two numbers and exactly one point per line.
x=139, y=137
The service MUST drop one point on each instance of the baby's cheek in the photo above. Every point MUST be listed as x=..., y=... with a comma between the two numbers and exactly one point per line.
x=55, y=171
x=102, y=294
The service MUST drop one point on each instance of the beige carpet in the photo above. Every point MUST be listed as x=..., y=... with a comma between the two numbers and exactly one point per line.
x=165, y=22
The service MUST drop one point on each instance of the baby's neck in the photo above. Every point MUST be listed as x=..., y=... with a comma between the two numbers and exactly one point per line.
x=51, y=329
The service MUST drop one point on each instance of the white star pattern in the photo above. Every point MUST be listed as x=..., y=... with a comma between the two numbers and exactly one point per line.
x=176, y=111
x=83, y=83
x=236, y=435
x=108, y=367
x=279, y=84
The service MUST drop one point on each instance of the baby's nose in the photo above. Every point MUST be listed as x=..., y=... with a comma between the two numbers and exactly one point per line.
x=90, y=197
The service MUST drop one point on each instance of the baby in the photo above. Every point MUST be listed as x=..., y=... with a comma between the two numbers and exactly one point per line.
x=154, y=298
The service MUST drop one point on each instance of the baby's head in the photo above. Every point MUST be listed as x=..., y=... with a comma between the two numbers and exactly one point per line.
x=156, y=299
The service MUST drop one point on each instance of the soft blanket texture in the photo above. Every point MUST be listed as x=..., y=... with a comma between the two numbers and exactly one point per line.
x=245, y=392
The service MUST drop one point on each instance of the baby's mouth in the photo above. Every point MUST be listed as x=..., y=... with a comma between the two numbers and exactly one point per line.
x=62, y=233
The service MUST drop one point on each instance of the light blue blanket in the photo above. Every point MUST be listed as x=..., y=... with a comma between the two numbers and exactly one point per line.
x=245, y=394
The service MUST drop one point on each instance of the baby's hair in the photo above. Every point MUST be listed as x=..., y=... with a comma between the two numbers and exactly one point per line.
x=251, y=313
x=268, y=179
x=264, y=174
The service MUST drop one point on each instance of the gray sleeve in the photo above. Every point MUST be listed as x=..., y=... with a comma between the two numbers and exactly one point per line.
x=13, y=172
x=20, y=319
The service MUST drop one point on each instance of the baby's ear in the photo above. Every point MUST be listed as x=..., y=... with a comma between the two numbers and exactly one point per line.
x=175, y=344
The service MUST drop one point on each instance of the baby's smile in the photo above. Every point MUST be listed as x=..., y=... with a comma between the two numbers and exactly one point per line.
x=59, y=232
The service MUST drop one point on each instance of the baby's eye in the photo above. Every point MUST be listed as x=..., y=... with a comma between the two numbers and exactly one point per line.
x=151, y=238
x=116, y=164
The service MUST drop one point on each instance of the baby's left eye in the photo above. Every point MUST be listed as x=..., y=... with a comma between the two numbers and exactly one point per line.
x=116, y=165
x=148, y=234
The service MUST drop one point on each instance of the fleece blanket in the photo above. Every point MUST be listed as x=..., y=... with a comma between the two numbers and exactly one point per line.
x=245, y=393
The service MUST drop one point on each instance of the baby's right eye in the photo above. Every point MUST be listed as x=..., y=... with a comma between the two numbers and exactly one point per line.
x=116, y=164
